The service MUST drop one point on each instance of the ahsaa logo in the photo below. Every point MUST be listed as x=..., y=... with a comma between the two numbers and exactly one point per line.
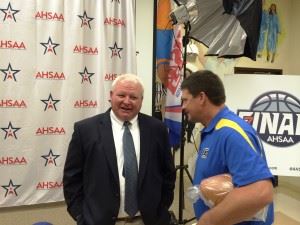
x=276, y=117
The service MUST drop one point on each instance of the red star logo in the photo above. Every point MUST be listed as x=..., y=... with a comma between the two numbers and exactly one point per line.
x=249, y=119
x=50, y=103
x=49, y=46
x=9, y=73
x=85, y=20
x=115, y=51
x=11, y=188
x=86, y=76
x=9, y=13
x=10, y=131
x=50, y=158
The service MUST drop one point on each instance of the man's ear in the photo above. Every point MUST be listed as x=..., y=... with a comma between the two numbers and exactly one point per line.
x=201, y=97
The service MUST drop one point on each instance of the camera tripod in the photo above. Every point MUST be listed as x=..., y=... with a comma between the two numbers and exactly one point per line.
x=182, y=167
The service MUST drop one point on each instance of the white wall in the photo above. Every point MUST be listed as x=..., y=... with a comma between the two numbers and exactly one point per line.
x=295, y=37
x=144, y=42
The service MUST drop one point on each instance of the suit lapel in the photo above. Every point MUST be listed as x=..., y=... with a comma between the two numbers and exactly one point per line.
x=144, y=147
x=109, y=145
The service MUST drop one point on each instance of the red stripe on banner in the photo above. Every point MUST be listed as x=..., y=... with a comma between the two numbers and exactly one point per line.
x=173, y=109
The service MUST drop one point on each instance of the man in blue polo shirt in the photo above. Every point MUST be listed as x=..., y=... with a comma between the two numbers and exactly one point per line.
x=228, y=145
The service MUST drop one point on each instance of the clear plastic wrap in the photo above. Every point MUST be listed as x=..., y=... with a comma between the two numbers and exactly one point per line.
x=211, y=190
x=214, y=189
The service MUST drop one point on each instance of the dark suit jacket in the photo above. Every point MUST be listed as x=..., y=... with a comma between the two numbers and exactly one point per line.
x=91, y=181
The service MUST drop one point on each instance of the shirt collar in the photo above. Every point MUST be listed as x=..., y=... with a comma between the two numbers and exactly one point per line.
x=216, y=119
x=120, y=122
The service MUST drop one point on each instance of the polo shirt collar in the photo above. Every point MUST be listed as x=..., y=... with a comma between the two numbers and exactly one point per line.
x=216, y=119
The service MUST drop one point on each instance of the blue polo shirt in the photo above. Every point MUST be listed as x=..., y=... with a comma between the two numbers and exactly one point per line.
x=230, y=145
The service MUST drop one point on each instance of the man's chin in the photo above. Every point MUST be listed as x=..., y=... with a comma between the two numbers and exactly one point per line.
x=190, y=119
x=126, y=116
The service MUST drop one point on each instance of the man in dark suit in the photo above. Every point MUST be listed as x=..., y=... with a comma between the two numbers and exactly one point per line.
x=94, y=179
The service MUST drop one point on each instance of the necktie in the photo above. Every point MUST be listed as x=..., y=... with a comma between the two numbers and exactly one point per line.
x=130, y=172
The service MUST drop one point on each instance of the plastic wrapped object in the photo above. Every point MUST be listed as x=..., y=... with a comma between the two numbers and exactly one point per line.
x=211, y=190
x=214, y=189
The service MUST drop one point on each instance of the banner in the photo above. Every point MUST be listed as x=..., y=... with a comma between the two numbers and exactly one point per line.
x=57, y=62
x=173, y=111
x=271, y=104
x=169, y=65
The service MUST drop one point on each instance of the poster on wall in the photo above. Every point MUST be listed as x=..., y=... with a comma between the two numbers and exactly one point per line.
x=271, y=30
x=271, y=104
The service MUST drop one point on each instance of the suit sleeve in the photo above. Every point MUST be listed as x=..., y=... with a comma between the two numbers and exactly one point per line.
x=169, y=173
x=73, y=175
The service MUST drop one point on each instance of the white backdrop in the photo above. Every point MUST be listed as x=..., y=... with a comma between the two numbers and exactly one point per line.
x=271, y=104
x=57, y=61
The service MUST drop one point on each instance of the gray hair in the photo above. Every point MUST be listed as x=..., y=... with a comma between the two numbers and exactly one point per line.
x=128, y=77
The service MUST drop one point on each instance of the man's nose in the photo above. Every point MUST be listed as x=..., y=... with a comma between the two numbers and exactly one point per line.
x=127, y=100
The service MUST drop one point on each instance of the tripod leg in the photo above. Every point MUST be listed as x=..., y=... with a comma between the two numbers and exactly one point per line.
x=188, y=173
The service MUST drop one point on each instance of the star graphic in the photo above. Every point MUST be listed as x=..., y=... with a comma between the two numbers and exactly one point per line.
x=86, y=76
x=10, y=131
x=11, y=188
x=174, y=73
x=85, y=20
x=174, y=78
x=115, y=51
x=49, y=46
x=50, y=158
x=9, y=73
x=249, y=119
x=9, y=13
x=50, y=103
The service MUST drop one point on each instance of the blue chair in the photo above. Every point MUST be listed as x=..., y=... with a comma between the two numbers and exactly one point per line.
x=42, y=223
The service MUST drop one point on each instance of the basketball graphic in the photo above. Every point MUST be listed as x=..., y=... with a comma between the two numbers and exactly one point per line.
x=275, y=116
x=276, y=101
